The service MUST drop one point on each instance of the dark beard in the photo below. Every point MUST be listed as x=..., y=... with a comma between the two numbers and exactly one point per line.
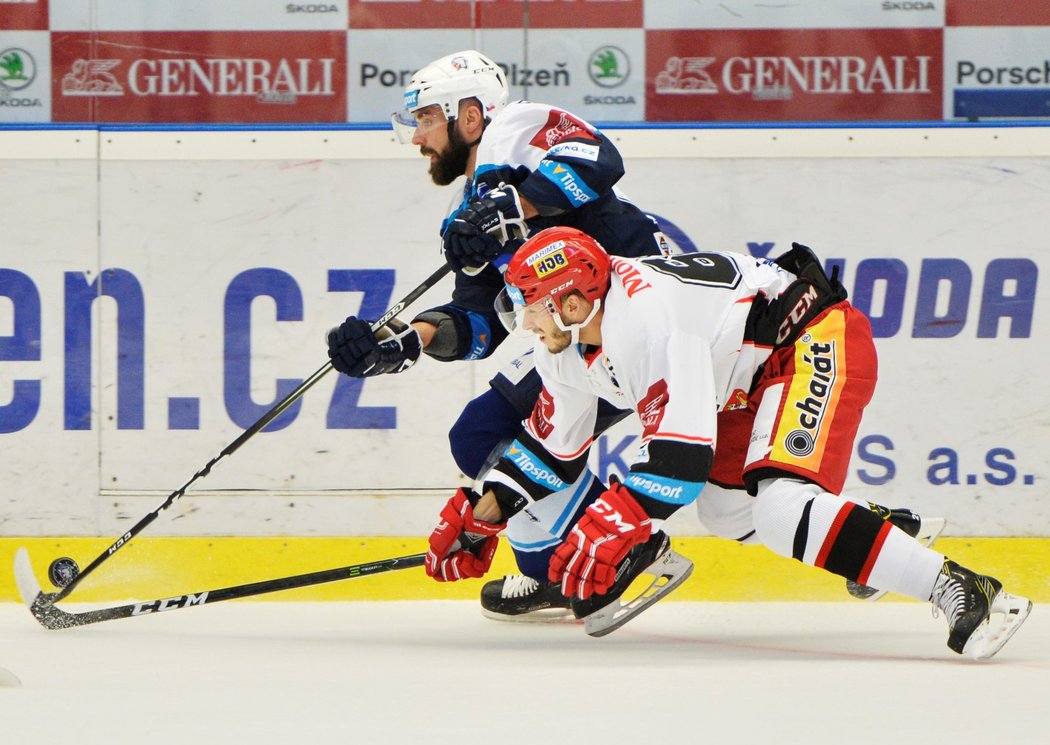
x=452, y=163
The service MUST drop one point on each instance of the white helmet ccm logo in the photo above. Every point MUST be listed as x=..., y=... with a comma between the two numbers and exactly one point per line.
x=445, y=83
x=458, y=76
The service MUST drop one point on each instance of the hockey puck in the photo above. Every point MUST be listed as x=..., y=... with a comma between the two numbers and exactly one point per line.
x=62, y=571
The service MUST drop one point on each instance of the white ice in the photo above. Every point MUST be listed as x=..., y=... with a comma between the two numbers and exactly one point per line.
x=437, y=672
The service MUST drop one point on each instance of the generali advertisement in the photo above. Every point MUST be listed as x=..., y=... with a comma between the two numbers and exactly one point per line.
x=199, y=77
x=154, y=308
x=804, y=75
x=273, y=61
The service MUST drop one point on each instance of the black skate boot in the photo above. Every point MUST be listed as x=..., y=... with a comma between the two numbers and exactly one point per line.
x=924, y=530
x=520, y=598
x=603, y=614
x=968, y=601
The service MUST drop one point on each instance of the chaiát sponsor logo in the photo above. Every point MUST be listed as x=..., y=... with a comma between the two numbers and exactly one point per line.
x=17, y=73
x=821, y=363
x=268, y=81
x=782, y=77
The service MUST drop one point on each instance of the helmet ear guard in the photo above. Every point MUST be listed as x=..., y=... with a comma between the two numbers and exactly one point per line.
x=446, y=82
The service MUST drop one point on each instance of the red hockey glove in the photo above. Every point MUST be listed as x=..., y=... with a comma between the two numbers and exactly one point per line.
x=586, y=563
x=461, y=547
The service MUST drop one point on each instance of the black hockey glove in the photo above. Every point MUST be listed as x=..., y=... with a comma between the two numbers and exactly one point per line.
x=357, y=352
x=477, y=233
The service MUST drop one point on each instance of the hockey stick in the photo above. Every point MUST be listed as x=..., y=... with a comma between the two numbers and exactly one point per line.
x=265, y=419
x=50, y=617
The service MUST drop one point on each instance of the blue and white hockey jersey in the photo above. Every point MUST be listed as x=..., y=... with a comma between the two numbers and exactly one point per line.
x=567, y=169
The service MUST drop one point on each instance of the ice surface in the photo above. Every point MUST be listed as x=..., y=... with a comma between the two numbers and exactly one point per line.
x=437, y=672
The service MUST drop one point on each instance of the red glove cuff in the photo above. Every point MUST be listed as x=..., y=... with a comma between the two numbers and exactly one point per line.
x=586, y=563
x=461, y=546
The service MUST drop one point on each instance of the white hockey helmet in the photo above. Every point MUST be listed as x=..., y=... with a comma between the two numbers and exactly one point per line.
x=446, y=82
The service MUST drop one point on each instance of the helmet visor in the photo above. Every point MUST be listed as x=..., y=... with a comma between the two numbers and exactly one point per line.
x=517, y=317
x=407, y=124
x=404, y=126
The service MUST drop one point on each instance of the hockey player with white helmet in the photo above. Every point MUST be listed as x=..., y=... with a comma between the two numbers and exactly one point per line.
x=528, y=166
x=742, y=370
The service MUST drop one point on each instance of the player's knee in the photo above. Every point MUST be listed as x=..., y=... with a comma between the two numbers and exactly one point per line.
x=778, y=510
x=485, y=423
x=468, y=445
x=726, y=513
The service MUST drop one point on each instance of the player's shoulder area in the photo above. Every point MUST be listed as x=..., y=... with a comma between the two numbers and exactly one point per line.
x=515, y=129
x=660, y=289
x=520, y=113
x=536, y=116
x=707, y=268
x=636, y=294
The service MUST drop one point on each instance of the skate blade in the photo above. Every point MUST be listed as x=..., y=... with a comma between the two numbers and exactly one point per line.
x=930, y=530
x=544, y=615
x=669, y=571
x=991, y=635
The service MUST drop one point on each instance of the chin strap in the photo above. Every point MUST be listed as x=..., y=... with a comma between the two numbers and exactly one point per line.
x=574, y=328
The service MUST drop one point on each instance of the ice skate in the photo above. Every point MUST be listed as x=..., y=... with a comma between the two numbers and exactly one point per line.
x=523, y=599
x=981, y=616
x=923, y=529
x=603, y=614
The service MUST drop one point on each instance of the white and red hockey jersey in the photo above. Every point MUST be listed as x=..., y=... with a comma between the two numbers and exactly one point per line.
x=682, y=338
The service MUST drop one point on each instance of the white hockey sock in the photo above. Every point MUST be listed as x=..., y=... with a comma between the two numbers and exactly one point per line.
x=905, y=567
x=801, y=520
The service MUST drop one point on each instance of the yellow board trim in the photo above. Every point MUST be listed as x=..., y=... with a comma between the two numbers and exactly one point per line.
x=150, y=568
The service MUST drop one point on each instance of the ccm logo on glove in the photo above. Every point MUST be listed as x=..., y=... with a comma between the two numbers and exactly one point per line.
x=586, y=563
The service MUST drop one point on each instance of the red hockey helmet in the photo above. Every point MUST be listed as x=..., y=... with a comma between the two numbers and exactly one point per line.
x=548, y=265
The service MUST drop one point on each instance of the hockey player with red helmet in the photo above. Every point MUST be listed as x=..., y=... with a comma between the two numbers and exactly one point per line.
x=682, y=341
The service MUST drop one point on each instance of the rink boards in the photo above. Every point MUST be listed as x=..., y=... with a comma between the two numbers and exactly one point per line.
x=160, y=290
x=152, y=568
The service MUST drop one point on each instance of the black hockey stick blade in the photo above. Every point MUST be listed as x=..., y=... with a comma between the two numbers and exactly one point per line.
x=42, y=604
x=264, y=420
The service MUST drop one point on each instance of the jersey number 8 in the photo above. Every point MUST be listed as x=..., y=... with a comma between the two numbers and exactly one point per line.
x=709, y=269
